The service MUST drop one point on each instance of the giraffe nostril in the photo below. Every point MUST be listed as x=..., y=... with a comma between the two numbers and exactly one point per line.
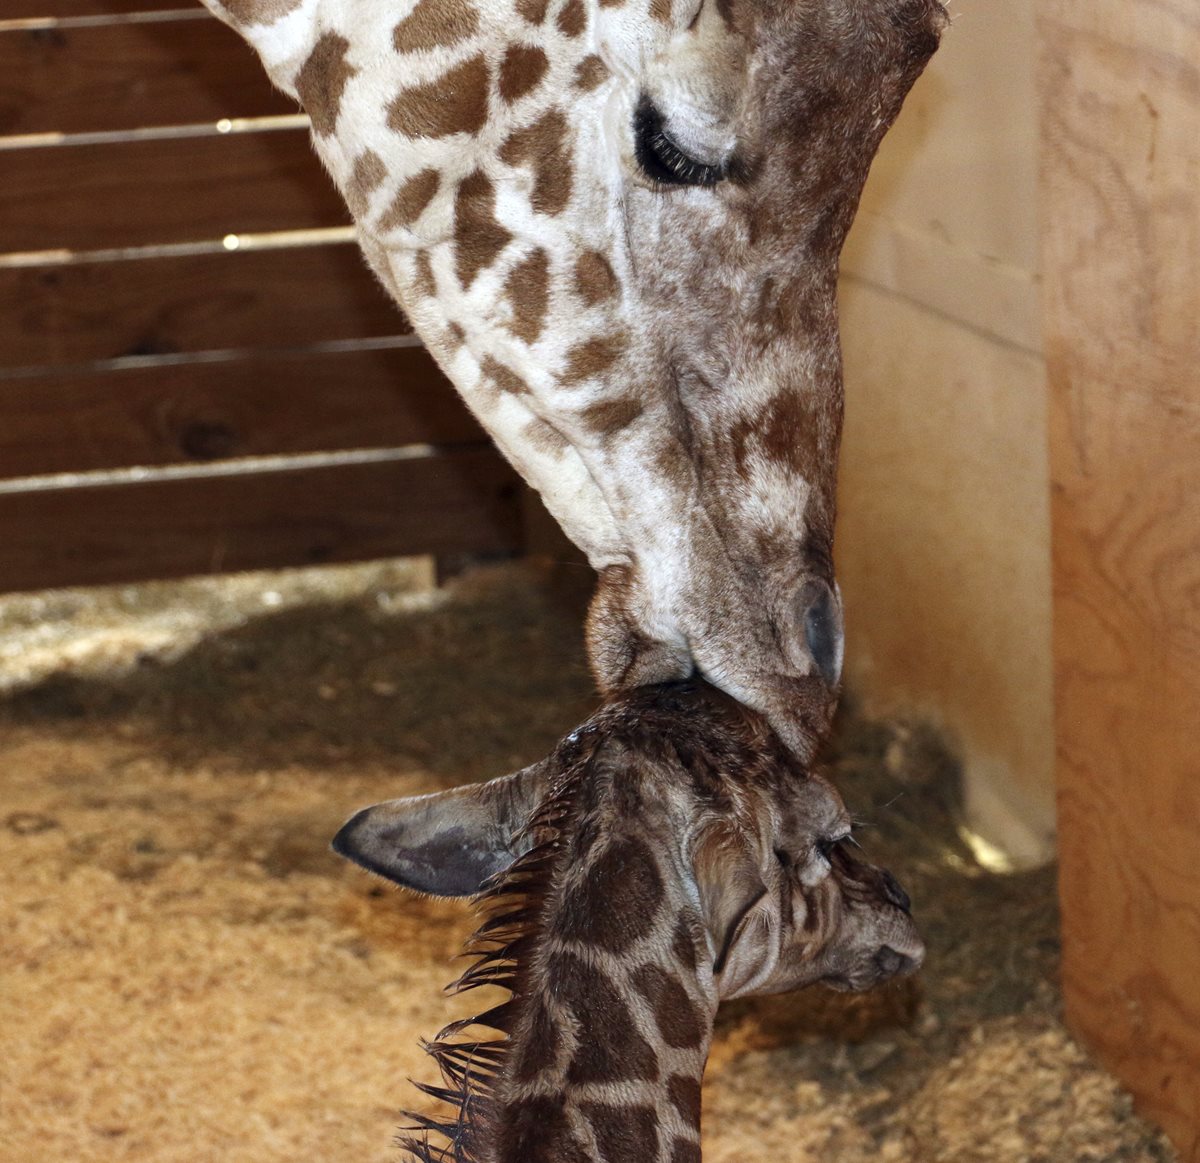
x=823, y=628
x=890, y=963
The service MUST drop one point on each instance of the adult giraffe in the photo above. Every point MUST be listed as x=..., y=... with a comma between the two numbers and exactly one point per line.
x=616, y=225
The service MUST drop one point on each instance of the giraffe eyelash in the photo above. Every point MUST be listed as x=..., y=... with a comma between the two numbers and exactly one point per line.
x=661, y=158
x=825, y=847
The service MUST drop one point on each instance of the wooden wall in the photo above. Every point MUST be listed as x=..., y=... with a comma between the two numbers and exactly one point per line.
x=943, y=541
x=1120, y=85
x=197, y=372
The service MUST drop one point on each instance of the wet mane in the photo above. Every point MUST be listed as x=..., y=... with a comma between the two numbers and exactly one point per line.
x=512, y=907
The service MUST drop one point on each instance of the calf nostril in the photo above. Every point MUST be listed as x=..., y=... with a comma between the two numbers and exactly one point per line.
x=894, y=893
x=890, y=963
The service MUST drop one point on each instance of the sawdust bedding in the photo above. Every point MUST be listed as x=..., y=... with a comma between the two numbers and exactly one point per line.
x=187, y=973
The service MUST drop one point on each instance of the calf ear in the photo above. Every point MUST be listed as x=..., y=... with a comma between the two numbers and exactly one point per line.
x=447, y=843
x=730, y=885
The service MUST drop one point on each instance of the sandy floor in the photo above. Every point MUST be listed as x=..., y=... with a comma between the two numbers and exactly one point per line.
x=186, y=972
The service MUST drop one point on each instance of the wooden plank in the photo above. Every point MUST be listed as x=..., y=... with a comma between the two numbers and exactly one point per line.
x=450, y=503
x=130, y=76
x=67, y=9
x=1120, y=101
x=81, y=313
x=143, y=193
x=260, y=405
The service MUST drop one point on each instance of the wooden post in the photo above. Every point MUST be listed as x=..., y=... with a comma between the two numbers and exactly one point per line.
x=1120, y=91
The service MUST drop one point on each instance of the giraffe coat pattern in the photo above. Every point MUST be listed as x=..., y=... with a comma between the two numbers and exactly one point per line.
x=670, y=853
x=616, y=225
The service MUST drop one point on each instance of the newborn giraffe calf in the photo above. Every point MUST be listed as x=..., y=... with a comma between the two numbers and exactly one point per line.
x=669, y=854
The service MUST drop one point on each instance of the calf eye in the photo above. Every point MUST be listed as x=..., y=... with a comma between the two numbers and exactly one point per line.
x=662, y=159
x=826, y=846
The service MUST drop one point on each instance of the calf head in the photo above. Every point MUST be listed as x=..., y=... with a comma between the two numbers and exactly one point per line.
x=681, y=780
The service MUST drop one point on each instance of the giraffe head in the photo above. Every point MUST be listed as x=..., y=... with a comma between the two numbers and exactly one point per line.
x=616, y=224
x=669, y=854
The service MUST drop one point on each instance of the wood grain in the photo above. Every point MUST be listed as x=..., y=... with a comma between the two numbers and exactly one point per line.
x=52, y=316
x=254, y=404
x=1120, y=95
x=60, y=9
x=162, y=191
x=180, y=361
x=130, y=76
x=450, y=503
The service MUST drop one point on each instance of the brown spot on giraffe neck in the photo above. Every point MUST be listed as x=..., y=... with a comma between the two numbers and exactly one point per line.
x=678, y=1021
x=572, y=20
x=457, y=102
x=616, y=901
x=544, y=438
x=366, y=177
x=685, y=1151
x=258, y=11
x=479, y=237
x=683, y=1092
x=592, y=357
x=424, y=280
x=322, y=80
x=623, y=1132
x=660, y=10
x=536, y=1056
x=528, y=291
x=590, y=73
x=683, y=944
x=609, y=417
x=595, y=280
x=610, y=1049
x=537, y=1130
x=544, y=146
x=521, y=71
x=533, y=10
x=411, y=199
x=503, y=378
x=435, y=24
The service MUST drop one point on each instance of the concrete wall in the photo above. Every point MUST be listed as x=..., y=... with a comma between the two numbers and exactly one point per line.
x=943, y=542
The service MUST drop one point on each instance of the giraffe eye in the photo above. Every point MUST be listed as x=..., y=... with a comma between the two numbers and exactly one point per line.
x=825, y=846
x=662, y=159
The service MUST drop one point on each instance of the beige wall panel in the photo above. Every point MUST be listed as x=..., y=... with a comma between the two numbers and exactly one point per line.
x=949, y=215
x=943, y=540
x=942, y=548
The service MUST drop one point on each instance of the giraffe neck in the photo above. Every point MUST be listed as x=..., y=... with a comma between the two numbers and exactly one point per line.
x=614, y=1017
x=597, y=934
